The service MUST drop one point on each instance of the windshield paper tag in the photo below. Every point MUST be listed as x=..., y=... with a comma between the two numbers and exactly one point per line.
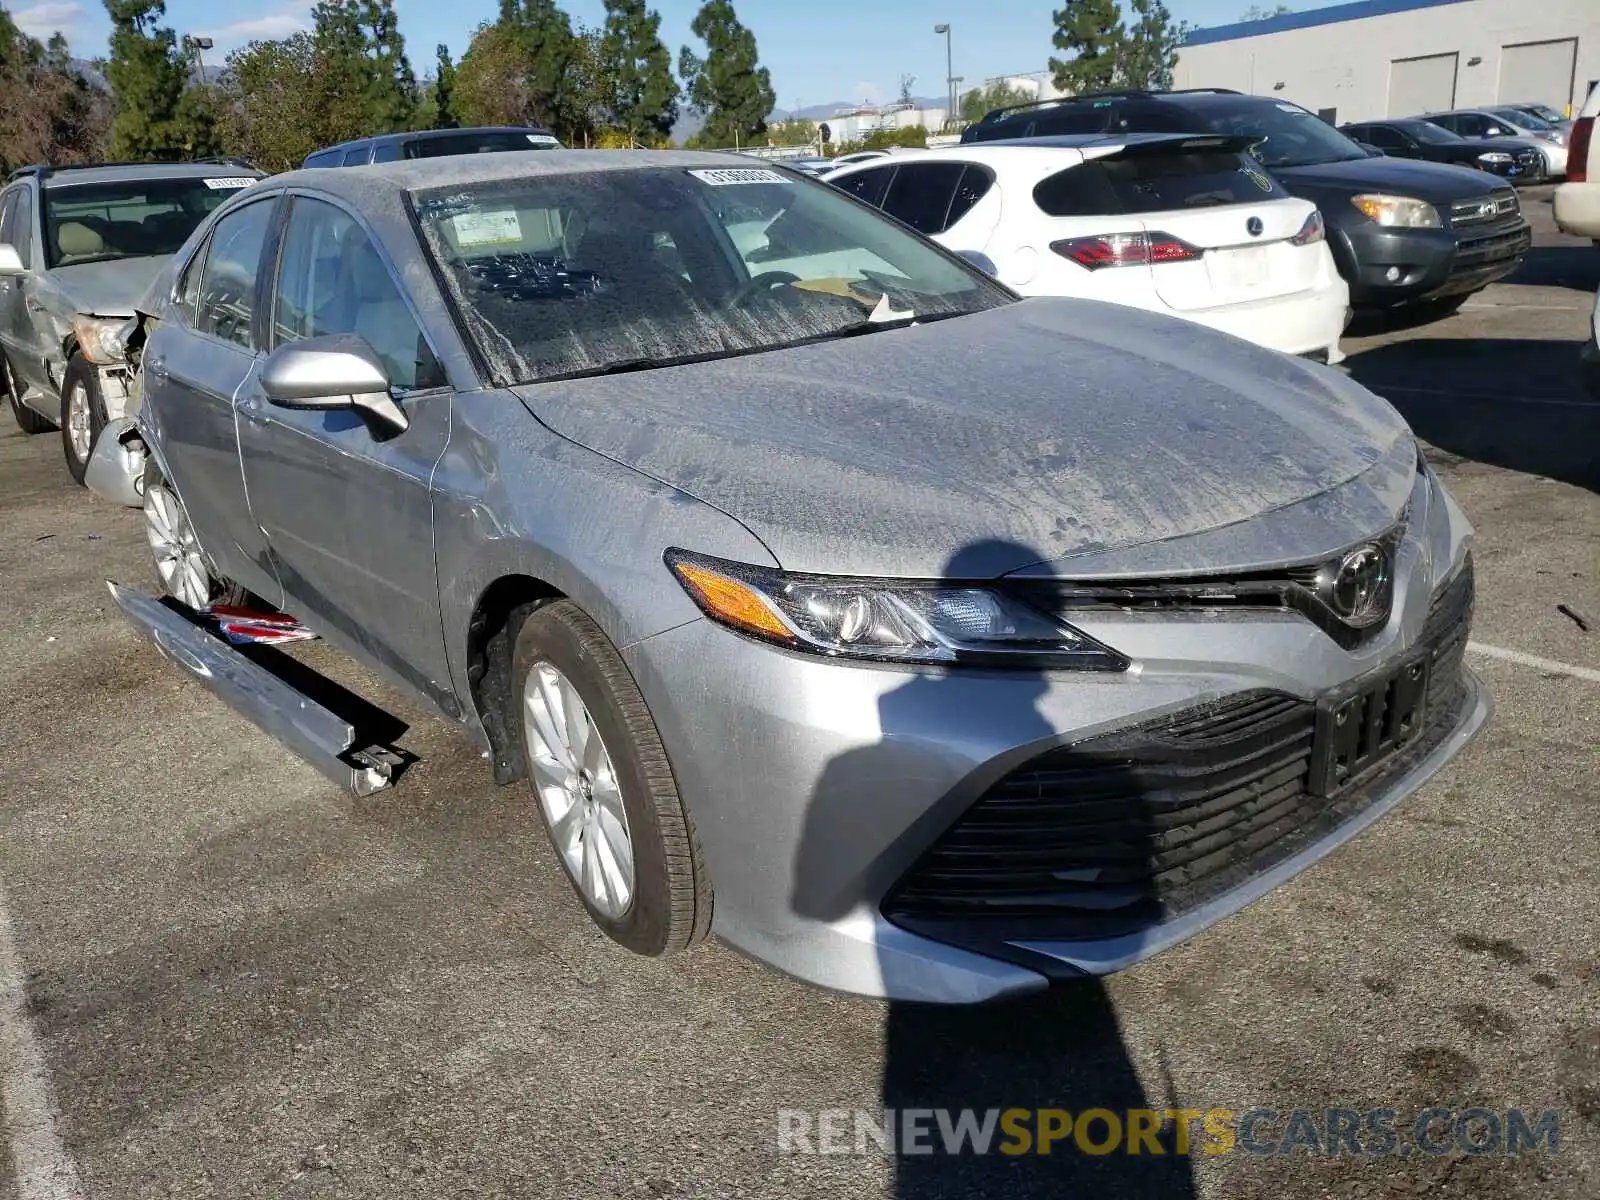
x=727, y=176
x=487, y=228
x=228, y=185
x=543, y=139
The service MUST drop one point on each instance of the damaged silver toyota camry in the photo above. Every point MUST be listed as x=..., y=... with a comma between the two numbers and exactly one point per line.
x=818, y=592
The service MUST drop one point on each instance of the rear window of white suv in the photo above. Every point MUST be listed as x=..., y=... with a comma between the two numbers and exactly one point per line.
x=1140, y=182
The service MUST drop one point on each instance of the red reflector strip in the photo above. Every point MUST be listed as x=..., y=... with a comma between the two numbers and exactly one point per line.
x=1578, y=150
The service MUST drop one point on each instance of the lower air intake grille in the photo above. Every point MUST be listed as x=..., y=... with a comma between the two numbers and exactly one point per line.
x=1124, y=831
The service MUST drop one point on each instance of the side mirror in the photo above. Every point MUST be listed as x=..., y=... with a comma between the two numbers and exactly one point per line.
x=980, y=260
x=1494, y=131
x=337, y=371
x=10, y=260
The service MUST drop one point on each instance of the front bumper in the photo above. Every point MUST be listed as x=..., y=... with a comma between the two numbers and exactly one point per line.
x=817, y=788
x=1428, y=264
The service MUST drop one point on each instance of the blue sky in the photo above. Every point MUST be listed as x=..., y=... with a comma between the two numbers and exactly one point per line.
x=818, y=50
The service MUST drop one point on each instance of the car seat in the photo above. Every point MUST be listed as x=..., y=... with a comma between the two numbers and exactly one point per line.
x=75, y=241
x=368, y=302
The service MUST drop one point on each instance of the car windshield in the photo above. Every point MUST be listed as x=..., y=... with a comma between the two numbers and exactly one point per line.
x=129, y=218
x=1430, y=134
x=1526, y=120
x=1288, y=135
x=603, y=271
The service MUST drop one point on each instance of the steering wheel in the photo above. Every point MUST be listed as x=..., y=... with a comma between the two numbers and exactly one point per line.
x=763, y=282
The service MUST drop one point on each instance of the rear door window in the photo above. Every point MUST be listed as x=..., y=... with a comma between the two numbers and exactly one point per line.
x=358, y=157
x=922, y=193
x=1155, y=182
x=870, y=186
x=974, y=186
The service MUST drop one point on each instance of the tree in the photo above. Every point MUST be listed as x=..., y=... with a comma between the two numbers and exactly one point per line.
x=492, y=84
x=272, y=111
x=1150, y=50
x=728, y=86
x=148, y=77
x=444, y=87
x=48, y=111
x=542, y=35
x=363, y=79
x=635, y=70
x=1110, y=53
x=980, y=101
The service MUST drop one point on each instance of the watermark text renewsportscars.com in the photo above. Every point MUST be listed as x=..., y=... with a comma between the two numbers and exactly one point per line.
x=1329, y=1131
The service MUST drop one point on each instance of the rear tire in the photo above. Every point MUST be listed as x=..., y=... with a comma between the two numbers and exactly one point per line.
x=27, y=420
x=180, y=563
x=83, y=414
x=604, y=788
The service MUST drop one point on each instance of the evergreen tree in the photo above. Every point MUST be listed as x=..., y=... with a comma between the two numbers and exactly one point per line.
x=543, y=35
x=362, y=77
x=491, y=85
x=1093, y=30
x=729, y=86
x=444, y=90
x=273, y=112
x=636, y=68
x=1151, y=49
x=148, y=77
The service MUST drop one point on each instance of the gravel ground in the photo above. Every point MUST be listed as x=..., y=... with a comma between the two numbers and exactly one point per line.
x=240, y=982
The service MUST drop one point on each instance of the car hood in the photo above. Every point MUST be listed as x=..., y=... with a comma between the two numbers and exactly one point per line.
x=1433, y=182
x=110, y=288
x=1035, y=431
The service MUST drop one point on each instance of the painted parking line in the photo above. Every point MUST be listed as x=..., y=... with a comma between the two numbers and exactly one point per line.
x=1533, y=660
x=44, y=1168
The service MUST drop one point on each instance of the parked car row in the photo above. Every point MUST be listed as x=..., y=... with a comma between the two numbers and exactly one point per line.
x=1422, y=138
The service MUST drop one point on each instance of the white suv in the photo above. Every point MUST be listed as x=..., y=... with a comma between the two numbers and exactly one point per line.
x=1182, y=224
x=1578, y=199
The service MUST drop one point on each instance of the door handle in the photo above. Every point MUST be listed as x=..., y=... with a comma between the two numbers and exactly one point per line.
x=33, y=305
x=157, y=367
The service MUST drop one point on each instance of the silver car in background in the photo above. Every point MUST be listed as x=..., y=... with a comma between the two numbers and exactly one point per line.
x=918, y=640
x=78, y=245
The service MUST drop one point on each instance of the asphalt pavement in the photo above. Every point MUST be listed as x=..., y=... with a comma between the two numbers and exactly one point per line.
x=221, y=977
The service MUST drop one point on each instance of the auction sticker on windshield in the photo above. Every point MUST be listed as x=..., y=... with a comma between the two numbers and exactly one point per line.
x=726, y=176
x=230, y=184
x=474, y=229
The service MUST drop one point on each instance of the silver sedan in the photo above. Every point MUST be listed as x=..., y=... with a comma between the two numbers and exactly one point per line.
x=818, y=592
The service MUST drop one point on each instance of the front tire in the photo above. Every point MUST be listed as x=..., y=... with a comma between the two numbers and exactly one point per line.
x=604, y=787
x=83, y=414
x=27, y=420
x=179, y=561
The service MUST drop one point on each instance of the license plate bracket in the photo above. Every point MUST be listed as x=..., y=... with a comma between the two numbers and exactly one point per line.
x=1367, y=723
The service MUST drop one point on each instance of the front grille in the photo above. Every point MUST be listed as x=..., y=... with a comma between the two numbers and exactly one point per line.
x=1530, y=160
x=1497, y=206
x=1481, y=252
x=1123, y=831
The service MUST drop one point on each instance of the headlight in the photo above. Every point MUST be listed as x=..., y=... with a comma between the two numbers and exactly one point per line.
x=1553, y=138
x=886, y=620
x=1397, y=212
x=100, y=339
x=1494, y=156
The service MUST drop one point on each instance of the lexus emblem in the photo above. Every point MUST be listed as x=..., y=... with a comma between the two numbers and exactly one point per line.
x=1254, y=226
x=1357, y=586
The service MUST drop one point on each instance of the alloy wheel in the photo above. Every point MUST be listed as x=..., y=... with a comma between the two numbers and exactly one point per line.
x=578, y=790
x=79, y=429
x=177, y=552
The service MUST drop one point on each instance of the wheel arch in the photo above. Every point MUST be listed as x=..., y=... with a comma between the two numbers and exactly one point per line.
x=491, y=635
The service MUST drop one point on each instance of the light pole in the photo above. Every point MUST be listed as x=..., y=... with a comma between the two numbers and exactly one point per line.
x=949, y=74
x=198, y=44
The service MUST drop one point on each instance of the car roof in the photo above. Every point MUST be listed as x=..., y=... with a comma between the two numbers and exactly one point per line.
x=119, y=172
x=428, y=135
x=464, y=170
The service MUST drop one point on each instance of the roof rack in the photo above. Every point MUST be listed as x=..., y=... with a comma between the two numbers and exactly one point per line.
x=1109, y=94
x=43, y=169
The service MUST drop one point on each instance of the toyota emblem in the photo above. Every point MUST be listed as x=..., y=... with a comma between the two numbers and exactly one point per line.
x=1357, y=588
x=1254, y=226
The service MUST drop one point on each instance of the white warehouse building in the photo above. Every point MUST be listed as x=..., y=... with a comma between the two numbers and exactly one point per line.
x=1395, y=58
